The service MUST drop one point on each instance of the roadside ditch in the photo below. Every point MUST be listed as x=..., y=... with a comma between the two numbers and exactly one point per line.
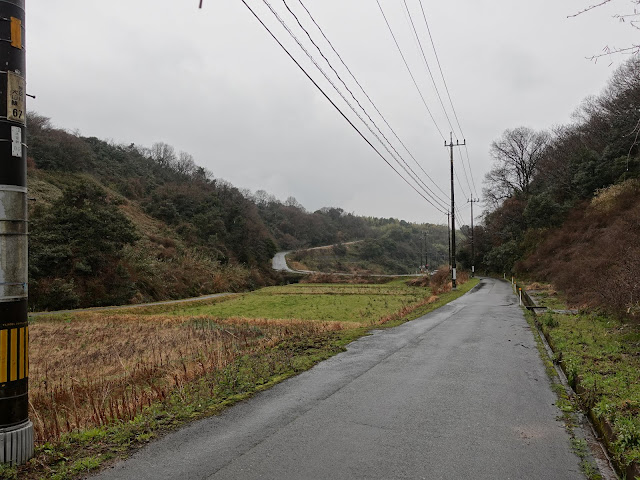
x=598, y=430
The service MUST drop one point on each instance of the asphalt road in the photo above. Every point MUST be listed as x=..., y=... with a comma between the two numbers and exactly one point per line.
x=279, y=262
x=460, y=393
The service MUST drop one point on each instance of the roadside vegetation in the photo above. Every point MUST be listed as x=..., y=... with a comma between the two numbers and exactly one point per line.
x=105, y=383
x=563, y=206
x=600, y=355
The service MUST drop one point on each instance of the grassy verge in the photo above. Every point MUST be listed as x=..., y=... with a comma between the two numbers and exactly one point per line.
x=600, y=356
x=103, y=384
x=567, y=405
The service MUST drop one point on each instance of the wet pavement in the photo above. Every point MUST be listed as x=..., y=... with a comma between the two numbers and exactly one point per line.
x=459, y=393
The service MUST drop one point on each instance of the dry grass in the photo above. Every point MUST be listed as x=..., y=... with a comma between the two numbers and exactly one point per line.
x=97, y=368
x=422, y=281
x=441, y=281
x=349, y=279
x=606, y=199
x=594, y=258
x=544, y=287
x=405, y=311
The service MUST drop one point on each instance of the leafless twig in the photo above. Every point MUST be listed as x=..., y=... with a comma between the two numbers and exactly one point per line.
x=589, y=8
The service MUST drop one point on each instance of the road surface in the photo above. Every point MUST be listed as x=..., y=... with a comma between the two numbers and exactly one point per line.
x=460, y=393
x=279, y=262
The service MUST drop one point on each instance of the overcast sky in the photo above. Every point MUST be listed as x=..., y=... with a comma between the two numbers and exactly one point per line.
x=213, y=83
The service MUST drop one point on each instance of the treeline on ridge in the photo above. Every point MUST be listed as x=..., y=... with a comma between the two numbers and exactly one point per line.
x=116, y=224
x=564, y=205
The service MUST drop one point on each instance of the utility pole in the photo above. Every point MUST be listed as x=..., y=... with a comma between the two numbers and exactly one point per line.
x=16, y=430
x=453, y=213
x=421, y=251
x=426, y=252
x=449, y=234
x=473, y=252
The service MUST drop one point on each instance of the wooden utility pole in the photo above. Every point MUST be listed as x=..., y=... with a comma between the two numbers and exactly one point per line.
x=426, y=252
x=16, y=430
x=453, y=213
x=473, y=252
x=449, y=235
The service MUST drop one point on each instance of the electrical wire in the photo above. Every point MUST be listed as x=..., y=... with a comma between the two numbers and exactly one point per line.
x=409, y=70
x=397, y=155
x=465, y=173
x=295, y=38
x=335, y=105
x=455, y=114
x=426, y=63
x=371, y=101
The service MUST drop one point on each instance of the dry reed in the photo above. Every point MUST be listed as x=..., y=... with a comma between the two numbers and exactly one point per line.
x=99, y=368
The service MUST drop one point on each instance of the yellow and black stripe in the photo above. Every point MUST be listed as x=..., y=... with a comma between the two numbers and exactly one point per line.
x=14, y=354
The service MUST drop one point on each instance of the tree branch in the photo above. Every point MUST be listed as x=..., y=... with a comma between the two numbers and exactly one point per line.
x=589, y=8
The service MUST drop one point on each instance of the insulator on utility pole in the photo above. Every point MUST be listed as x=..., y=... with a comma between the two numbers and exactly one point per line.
x=16, y=430
x=449, y=235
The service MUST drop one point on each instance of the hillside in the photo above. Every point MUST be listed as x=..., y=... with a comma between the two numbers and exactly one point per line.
x=117, y=224
x=392, y=251
x=595, y=256
x=564, y=206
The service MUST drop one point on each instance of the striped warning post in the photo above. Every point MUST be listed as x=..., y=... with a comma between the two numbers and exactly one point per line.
x=14, y=354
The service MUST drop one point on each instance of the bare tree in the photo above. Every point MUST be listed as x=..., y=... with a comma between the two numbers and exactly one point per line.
x=163, y=154
x=631, y=18
x=292, y=202
x=185, y=164
x=516, y=154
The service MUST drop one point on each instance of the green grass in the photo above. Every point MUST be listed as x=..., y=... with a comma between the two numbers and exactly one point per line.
x=314, y=302
x=601, y=357
x=551, y=301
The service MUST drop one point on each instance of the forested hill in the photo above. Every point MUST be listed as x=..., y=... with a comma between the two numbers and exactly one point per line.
x=564, y=205
x=115, y=224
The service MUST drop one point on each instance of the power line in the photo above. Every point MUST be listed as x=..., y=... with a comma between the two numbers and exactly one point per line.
x=413, y=174
x=433, y=80
x=470, y=171
x=424, y=16
x=286, y=27
x=371, y=101
x=409, y=70
x=426, y=63
x=334, y=104
x=465, y=172
x=455, y=114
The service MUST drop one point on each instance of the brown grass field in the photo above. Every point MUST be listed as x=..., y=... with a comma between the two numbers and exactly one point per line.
x=98, y=367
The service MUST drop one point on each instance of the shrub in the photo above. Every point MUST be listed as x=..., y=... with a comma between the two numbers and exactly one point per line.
x=441, y=281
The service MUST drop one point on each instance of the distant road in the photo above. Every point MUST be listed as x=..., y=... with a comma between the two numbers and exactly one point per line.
x=137, y=305
x=460, y=393
x=279, y=262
